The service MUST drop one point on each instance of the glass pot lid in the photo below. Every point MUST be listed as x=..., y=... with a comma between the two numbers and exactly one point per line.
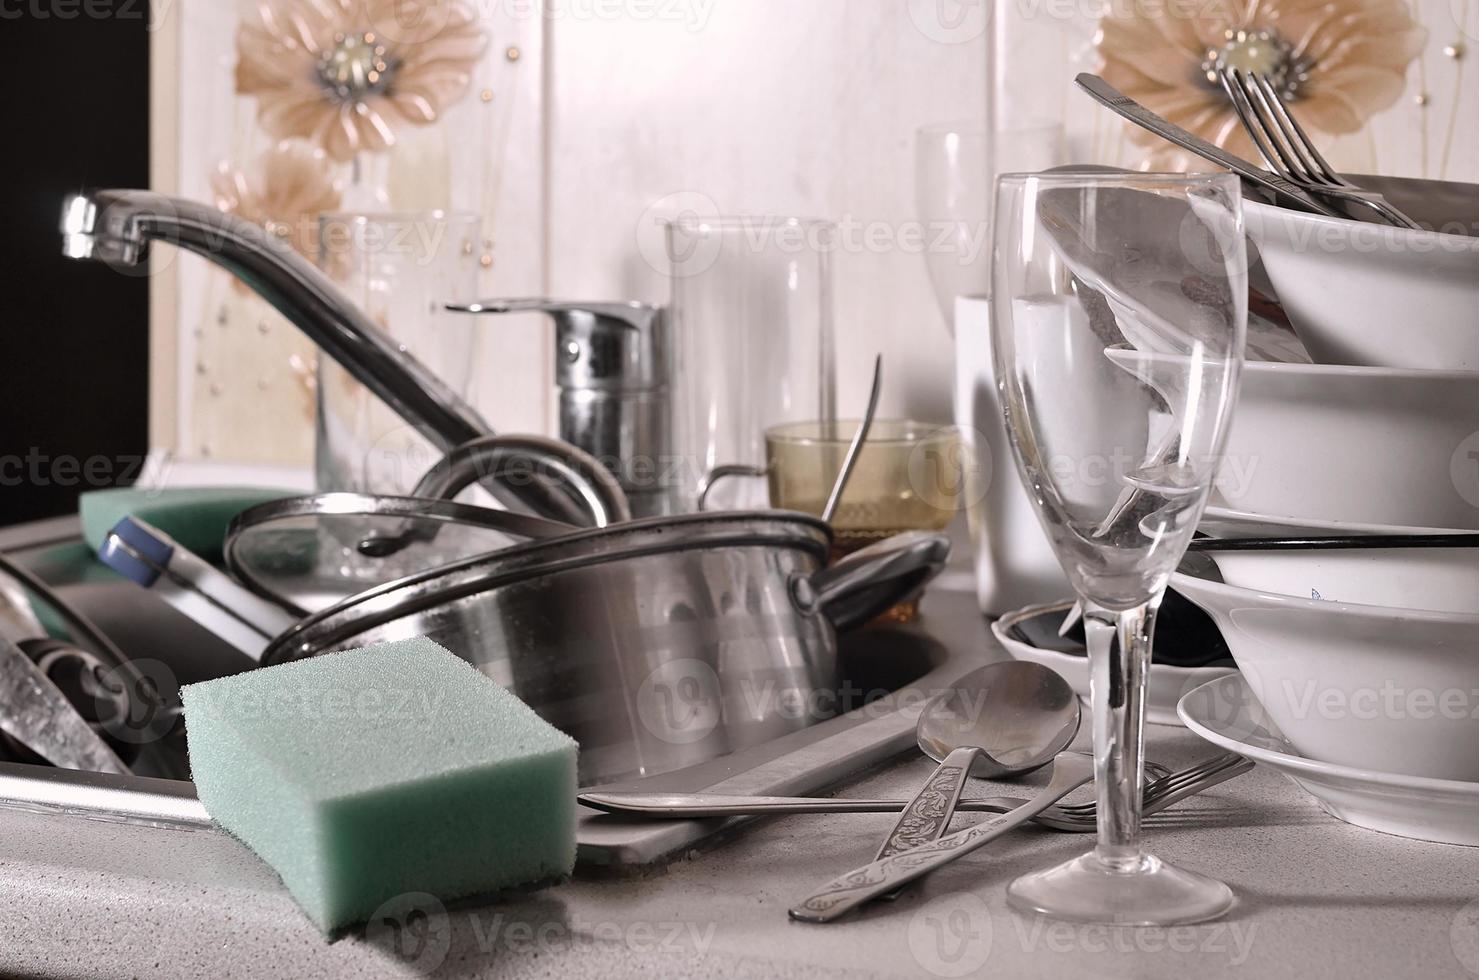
x=307, y=553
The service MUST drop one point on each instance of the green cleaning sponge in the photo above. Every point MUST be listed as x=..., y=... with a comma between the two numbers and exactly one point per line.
x=362, y=775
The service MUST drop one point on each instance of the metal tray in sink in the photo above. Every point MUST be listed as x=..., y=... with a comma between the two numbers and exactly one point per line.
x=889, y=672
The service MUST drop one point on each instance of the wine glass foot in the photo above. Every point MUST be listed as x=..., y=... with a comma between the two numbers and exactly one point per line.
x=1154, y=893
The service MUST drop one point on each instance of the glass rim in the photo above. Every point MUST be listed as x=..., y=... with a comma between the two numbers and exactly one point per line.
x=909, y=432
x=979, y=127
x=1118, y=177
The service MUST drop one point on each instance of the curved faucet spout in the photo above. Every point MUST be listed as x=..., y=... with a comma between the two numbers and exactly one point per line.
x=117, y=227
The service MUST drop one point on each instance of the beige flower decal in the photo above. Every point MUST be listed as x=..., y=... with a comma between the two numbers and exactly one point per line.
x=1338, y=61
x=290, y=188
x=346, y=73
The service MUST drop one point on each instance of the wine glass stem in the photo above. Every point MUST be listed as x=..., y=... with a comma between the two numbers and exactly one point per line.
x=1119, y=658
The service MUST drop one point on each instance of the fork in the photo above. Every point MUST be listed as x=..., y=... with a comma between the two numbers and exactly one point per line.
x=1080, y=817
x=1288, y=149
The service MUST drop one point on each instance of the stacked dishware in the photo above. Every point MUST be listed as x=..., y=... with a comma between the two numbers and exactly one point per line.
x=1337, y=570
x=1334, y=550
x=1358, y=667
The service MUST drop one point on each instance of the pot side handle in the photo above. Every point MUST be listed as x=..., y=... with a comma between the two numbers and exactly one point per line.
x=865, y=583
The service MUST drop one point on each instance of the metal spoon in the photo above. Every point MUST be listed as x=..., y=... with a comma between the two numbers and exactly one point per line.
x=1013, y=717
x=856, y=446
x=1005, y=719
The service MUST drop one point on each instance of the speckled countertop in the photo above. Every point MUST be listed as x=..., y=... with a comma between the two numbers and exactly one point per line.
x=1317, y=898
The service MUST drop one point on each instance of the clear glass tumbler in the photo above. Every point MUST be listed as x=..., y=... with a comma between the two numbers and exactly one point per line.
x=752, y=343
x=1119, y=312
x=401, y=268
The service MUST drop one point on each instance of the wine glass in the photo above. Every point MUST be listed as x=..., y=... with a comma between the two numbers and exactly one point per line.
x=954, y=164
x=1119, y=306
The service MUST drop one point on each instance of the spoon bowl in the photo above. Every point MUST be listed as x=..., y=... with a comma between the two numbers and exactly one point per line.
x=1018, y=715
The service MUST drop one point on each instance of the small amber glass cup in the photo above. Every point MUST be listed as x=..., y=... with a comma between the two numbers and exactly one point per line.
x=909, y=477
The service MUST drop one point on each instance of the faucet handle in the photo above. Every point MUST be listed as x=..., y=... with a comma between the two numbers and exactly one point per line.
x=622, y=313
x=597, y=345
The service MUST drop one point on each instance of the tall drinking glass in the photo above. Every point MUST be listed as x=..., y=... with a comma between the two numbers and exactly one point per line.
x=753, y=347
x=1119, y=309
x=954, y=165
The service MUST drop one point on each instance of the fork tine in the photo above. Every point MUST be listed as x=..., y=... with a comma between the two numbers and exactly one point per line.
x=1272, y=108
x=1294, y=167
x=1164, y=786
x=1236, y=765
x=1188, y=776
x=1319, y=167
x=1244, y=113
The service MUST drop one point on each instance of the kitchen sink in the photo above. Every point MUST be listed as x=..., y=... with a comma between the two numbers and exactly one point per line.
x=888, y=671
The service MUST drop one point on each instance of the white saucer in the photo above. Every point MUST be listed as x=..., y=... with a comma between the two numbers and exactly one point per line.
x=1443, y=810
x=1167, y=686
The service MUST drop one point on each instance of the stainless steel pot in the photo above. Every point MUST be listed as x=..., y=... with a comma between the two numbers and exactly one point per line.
x=656, y=644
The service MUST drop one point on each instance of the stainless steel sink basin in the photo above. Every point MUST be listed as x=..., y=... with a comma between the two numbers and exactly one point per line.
x=889, y=672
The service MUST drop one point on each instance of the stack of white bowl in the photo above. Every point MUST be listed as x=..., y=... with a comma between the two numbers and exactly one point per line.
x=1363, y=663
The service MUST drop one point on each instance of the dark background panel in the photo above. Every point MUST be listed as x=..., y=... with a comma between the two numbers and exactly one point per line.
x=74, y=371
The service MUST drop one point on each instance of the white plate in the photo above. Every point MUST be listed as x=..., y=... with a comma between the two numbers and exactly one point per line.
x=1224, y=522
x=1434, y=579
x=1225, y=713
x=1167, y=683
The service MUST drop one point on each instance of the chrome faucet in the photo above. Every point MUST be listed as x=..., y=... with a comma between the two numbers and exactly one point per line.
x=118, y=226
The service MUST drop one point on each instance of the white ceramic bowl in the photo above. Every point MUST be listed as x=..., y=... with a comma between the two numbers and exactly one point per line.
x=1375, y=687
x=1354, y=444
x=1167, y=684
x=1437, y=579
x=1364, y=293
